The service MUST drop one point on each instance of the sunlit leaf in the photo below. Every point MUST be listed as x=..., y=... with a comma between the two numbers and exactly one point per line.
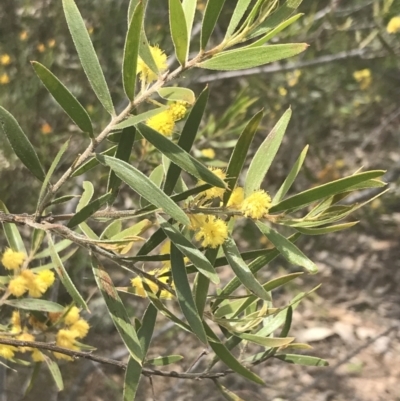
x=35, y=304
x=179, y=31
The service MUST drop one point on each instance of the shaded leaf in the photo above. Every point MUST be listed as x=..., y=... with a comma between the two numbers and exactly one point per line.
x=55, y=372
x=87, y=54
x=64, y=98
x=211, y=14
x=145, y=333
x=326, y=230
x=93, y=162
x=20, y=144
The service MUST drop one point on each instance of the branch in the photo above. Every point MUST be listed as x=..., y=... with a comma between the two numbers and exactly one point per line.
x=113, y=362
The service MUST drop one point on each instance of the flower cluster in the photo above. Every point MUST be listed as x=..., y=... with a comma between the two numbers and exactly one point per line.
x=36, y=284
x=137, y=283
x=160, y=59
x=164, y=122
x=12, y=260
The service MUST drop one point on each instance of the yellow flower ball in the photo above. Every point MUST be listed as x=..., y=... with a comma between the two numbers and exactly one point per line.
x=236, y=199
x=47, y=276
x=256, y=205
x=209, y=153
x=37, y=356
x=66, y=339
x=162, y=122
x=81, y=327
x=394, y=25
x=7, y=351
x=178, y=110
x=213, y=232
x=160, y=58
x=4, y=79
x=25, y=337
x=214, y=192
x=17, y=286
x=72, y=316
x=5, y=59
x=12, y=260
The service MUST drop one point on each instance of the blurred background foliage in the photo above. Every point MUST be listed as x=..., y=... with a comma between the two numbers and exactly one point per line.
x=344, y=92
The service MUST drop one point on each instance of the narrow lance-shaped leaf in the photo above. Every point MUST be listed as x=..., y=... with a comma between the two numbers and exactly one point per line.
x=49, y=174
x=144, y=187
x=226, y=393
x=93, y=162
x=289, y=180
x=187, y=138
x=132, y=7
x=241, y=59
x=123, y=152
x=164, y=360
x=326, y=230
x=211, y=14
x=240, y=151
x=34, y=304
x=131, y=52
x=265, y=154
x=304, y=360
x=87, y=54
x=88, y=210
x=131, y=381
x=178, y=156
x=145, y=333
x=189, y=8
x=237, y=15
x=184, y=294
x=287, y=249
x=179, y=31
x=63, y=275
x=55, y=372
x=12, y=234
x=117, y=311
x=242, y=271
x=64, y=98
x=20, y=144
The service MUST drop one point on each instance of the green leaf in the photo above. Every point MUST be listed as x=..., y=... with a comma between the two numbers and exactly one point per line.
x=238, y=13
x=254, y=267
x=179, y=156
x=35, y=304
x=326, y=230
x=88, y=210
x=117, y=311
x=287, y=249
x=37, y=239
x=211, y=14
x=12, y=234
x=304, y=360
x=133, y=120
x=189, y=8
x=114, y=228
x=229, y=360
x=242, y=271
x=63, y=275
x=145, y=53
x=241, y=59
x=157, y=177
x=187, y=138
x=132, y=7
x=164, y=360
x=288, y=322
x=271, y=342
x=87, y=54
x=227, y=394
x=184, y=294
x=201, y=263
x=64, y=98
x=332, y=188
x=55, y=372
x=134, y=230
x=145, y=333
x=177, y=94
x=276, y=18
x=240, y=151
x=131, y=51
x=50, y=173
x=275, y=31
x=132, y=377
x=179, y=31
x=93, y=162
x=62, y=199
x=20, y=144
x=123, y=153
x=60, y=246
x=265, y=154
x=144, y=187
x=88, y=191
x=283, y=190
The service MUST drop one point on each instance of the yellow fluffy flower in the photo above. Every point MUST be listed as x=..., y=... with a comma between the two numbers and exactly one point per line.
x=137, y=284
x=178, y=110
x=160, y=58
x=17, y=286
x=81, y=327
x=4, y=79
x=256, y=205
x=66, y=339
x=15, y=322
x=72, y=316
x=293, y=77
x=363, y=77
x=162, y=122
x=236, y=199
x=394, y=25
x=7, y=351
x=37, y=356
x=12, y=260
x=209, y=153
x=35, y=285
x=214, y=192
x=47, y=276
x=5, y=59
x=212, y=232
